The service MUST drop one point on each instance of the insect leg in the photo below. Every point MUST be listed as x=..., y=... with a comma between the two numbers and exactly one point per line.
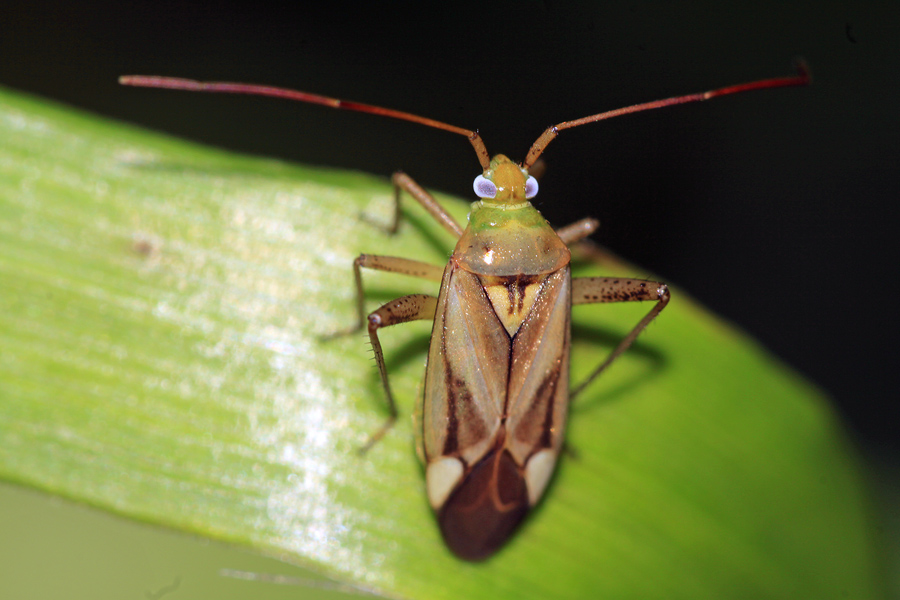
x=402, y=181
x=391, y=264
x=402, y=310
x=593, y=290
x=577, y=231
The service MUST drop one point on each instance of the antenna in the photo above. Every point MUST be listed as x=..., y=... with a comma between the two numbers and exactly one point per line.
x=802, y=78
x=177, y=83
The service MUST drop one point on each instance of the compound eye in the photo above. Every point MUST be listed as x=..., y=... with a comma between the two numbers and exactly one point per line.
x=484, y=188
x=531, y=187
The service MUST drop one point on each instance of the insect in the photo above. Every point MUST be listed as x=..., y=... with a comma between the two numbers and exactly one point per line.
x=496, y=391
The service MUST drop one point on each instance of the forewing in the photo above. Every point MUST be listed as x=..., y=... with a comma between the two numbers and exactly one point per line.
x=468, y=365
x=539, y=374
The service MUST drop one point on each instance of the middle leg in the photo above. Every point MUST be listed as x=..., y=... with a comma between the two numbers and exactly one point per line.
x=594, y=290
x=402, y=310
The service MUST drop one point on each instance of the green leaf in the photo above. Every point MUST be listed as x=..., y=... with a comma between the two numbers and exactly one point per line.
x=162, y=313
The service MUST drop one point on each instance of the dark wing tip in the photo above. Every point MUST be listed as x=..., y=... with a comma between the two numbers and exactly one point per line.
x=486, y=508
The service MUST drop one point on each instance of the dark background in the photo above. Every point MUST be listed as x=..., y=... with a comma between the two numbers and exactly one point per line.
x=776, y=208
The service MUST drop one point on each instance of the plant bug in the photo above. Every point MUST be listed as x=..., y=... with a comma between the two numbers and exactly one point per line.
x=497, y=376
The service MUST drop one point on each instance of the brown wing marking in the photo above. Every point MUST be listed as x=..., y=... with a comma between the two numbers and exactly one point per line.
x=468, y=364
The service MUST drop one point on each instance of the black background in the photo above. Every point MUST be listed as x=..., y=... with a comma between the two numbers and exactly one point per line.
x=775, y=209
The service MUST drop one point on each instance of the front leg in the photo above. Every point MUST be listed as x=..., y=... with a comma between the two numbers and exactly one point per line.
x=594, y=290
x=390, y=264
x=401, y=182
